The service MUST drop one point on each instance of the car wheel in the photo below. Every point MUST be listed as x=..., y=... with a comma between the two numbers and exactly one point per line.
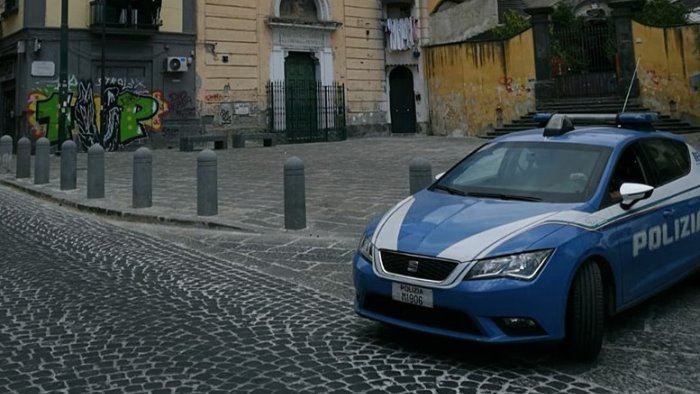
x=585, y=314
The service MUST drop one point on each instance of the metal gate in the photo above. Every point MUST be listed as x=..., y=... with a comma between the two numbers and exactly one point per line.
x=307, y=112
x=583, y=60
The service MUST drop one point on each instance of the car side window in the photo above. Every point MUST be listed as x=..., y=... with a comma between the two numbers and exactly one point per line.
x=628, y=169
x=670, y=160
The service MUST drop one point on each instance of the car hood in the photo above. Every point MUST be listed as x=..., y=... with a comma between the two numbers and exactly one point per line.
x=458, y=228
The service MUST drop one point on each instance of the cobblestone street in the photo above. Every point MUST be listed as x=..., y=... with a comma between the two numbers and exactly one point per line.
x=88, y=306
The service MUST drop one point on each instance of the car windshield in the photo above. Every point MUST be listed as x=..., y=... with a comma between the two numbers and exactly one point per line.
x=528, y=171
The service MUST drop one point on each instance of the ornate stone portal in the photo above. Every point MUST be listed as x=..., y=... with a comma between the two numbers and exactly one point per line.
x=302, y=26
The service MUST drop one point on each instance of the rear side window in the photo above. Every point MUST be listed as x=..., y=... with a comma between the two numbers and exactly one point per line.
x=669, y=160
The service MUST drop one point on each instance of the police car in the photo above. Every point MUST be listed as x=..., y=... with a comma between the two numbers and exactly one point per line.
x=538, y=235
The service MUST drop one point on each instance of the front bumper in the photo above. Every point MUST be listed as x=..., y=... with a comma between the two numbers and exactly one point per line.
x=473, y=310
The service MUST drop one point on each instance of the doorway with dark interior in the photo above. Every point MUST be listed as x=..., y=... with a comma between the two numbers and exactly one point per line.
x=402, y=101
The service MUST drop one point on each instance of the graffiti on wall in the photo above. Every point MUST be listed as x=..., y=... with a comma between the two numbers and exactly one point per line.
x=129, y=114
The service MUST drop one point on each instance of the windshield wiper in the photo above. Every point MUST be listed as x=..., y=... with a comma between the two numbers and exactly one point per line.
x=449, y=190
x=502, y=196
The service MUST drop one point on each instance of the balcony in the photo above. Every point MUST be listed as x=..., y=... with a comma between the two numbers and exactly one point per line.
x=9, y=7
x=130, y=17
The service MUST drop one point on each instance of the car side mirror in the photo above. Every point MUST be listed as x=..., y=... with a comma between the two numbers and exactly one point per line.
x=631, y=193
x=438, y=176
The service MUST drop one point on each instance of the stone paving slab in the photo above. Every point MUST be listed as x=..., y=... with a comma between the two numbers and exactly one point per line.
x=347, y=183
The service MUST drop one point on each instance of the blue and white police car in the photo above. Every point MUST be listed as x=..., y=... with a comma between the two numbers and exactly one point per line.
x=538, y=235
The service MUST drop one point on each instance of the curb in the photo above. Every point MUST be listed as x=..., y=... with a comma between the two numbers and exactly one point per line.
x=126, y=216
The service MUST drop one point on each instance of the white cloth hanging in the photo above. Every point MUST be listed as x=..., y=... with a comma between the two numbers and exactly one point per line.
x=402, y=34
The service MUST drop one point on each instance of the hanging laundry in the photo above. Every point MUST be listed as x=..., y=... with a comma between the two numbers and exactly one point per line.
x=402, y=34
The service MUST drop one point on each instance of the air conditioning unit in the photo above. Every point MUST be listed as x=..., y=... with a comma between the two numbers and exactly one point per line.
x=176, y=64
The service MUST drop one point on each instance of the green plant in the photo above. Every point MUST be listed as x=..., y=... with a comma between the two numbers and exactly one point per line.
x=514, y=23
x=661, y=13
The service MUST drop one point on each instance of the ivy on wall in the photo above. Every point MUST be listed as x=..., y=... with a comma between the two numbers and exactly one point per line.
x=661, y=12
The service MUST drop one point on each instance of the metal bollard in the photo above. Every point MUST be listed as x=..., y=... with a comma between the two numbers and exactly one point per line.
x=24, y=159
x=207, y=187
x=69, y=165
x=96, y=172
x=5, y=153
x=294, y=194
x=420, y=174
x=142, y=191
x=238, y=141
x=42, y=161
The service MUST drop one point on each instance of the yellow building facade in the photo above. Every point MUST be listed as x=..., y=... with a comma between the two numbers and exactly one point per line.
x=249, y=55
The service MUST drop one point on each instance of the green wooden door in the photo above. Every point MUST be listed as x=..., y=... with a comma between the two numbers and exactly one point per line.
x=402, y=101
x=301, y=98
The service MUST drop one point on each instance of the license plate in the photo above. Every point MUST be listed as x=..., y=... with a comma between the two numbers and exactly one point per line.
x=413, y=295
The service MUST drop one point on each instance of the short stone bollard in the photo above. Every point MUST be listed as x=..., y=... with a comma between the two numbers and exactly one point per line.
x=294, y=194
x=207, y=186
x=420, y=174
x=24, y=159
x=69, y=165
x=42, y=161
x=142, y=190
x=5, y=153
x=96, y=172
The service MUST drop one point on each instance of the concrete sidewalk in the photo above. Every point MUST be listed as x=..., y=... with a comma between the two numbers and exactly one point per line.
x=347, y=183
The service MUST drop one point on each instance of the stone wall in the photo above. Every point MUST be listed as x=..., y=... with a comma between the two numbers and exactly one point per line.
x=474, y=86
x=669, y=69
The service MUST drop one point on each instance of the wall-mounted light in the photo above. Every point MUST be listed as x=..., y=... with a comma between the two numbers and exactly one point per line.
x=37, y=45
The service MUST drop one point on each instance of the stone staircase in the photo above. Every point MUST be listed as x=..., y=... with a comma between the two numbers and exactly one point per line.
x=608, y=105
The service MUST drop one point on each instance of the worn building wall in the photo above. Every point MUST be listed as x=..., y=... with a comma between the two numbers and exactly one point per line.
x=229, y=56
x=669, y=69
x=150, y=104
x=474, y=86
x=463, y=21
x=365, y=73
x=236, y=46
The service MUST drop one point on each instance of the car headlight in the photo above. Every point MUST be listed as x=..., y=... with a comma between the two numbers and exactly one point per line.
x=366, y=248
x=519, y=266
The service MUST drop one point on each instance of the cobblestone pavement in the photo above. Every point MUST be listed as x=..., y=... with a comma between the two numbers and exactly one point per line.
x=86, y=306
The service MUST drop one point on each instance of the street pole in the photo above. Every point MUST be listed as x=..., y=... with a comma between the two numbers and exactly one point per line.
x=63, y=88
x=103, y=82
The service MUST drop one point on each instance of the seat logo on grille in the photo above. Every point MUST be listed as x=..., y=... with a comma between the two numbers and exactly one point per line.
x=412, y=266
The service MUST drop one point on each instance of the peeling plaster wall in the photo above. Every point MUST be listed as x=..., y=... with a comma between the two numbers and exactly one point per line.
x=469, y=82
x=463, y=21
x=669, y=69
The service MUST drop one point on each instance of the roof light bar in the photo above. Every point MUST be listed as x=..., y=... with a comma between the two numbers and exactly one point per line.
x=559, y=124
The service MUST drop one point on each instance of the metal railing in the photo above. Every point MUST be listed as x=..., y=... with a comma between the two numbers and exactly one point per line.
x=123, y=18
x=307, y=111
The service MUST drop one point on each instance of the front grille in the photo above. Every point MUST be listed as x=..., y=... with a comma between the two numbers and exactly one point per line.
x=417, y=267
x=447, y=319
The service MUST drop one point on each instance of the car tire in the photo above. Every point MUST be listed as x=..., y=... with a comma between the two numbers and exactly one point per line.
x=585, y=314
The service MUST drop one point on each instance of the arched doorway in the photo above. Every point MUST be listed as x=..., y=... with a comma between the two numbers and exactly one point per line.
x=402, y=102
x=301, y=97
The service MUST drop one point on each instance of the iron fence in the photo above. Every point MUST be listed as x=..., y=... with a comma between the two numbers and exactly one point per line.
x=307, y=111
x=583, y=59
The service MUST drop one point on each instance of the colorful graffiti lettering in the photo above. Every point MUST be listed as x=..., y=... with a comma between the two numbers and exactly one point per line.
x=128, y=115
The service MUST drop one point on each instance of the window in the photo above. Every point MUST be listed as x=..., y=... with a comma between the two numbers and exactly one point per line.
x=670, y=160
x=628, y=169
x=550, y=172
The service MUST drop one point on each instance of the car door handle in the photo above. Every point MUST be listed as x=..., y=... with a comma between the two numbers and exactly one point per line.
x=669, y=212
